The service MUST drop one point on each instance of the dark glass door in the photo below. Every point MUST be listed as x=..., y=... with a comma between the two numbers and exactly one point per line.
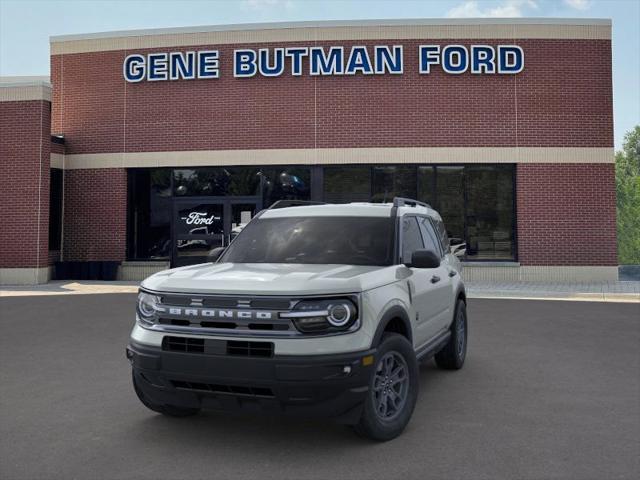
x=200, y=225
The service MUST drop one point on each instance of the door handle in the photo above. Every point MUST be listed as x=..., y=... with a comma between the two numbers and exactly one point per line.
x=435, y=279
x=452, y=273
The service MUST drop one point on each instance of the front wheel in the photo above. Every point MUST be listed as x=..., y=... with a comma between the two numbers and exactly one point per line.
x=393, y=390
x=452, y=356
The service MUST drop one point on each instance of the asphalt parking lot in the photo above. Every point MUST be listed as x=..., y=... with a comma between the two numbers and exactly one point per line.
x=551, y=389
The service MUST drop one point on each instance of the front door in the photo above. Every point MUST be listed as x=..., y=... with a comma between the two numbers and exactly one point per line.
x=200, y=225
x=429, y=286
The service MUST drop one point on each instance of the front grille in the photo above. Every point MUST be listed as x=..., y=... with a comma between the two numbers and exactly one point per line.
x=249, y=349
x=228, y=389
x=209, y=346
x=227, y=302
x=209, y=302
x=227, y=314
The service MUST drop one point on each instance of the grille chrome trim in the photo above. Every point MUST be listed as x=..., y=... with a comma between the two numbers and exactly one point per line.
x=305, y=314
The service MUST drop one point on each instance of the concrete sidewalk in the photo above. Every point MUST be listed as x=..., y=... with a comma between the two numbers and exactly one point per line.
x=594, y=292
x=69, y=287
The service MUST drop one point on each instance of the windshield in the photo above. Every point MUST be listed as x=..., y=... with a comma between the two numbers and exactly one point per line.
x=341, y=240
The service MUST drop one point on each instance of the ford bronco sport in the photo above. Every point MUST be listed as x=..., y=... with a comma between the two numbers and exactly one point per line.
x=313, y=309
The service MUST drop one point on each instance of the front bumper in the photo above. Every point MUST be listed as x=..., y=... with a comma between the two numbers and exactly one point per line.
x=315, y=385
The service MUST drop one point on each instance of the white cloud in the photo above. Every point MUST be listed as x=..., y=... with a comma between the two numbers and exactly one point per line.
x=578, y=4
x=508, y=8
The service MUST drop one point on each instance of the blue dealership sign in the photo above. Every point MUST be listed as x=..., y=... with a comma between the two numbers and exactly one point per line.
x=324, y=61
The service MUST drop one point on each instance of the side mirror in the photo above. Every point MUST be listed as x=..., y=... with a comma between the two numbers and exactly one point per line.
x=458, y=247
x=424, y=259
x=215, y=253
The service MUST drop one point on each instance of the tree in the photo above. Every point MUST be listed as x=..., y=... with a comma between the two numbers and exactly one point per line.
x=628, y=198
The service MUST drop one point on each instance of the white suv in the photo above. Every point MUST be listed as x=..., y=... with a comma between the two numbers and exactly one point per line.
x=314, y=309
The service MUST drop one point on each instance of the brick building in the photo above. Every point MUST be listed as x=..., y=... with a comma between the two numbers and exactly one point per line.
x=148, y=148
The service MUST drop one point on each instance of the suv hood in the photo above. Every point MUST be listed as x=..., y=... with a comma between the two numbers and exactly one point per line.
x=270, y=278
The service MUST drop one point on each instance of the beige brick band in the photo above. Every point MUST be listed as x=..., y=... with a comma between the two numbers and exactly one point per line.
x=24, y=276
x=478, y=272
x=433, y=29
x=338, y=156
x=24, y=93
x=57, y=160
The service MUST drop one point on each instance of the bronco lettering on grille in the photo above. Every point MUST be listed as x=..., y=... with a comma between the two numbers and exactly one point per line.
x=214, y=313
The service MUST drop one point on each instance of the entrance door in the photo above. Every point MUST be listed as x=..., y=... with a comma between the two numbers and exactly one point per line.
x=200, y=225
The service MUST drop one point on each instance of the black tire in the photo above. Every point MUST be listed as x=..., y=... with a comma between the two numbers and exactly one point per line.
x=169, y=410
x=373, y=423
x=452, y=356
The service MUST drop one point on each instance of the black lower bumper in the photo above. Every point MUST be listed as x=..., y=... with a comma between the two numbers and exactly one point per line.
x=317, y=385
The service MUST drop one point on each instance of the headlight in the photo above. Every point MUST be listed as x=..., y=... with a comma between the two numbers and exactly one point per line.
x=324, y=315
x=147, y=306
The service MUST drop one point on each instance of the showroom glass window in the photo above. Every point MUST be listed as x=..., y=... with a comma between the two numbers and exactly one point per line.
x=489, y=212
x=149, y=214
x=389, y=181
x=272, y=183
x=426, y=184
x=449, y=197
x=346, y=184
x=285, y=183
x=151, y=193
x=475, y=201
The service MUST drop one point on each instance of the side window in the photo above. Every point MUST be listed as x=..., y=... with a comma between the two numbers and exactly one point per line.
x=431, y=241
x=411, y=238
x=442, y=233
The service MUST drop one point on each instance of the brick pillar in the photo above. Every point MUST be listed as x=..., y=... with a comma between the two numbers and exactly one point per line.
x=25, y=123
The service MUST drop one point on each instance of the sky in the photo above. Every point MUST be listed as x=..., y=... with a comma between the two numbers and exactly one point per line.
x=25, y=26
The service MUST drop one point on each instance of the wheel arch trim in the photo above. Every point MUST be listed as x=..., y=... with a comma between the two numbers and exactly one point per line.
x=393, y=312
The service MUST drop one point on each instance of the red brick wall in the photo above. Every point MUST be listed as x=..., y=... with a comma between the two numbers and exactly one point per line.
x=562, y=98
x=24, y=196
x=95, y=214
x=566, y=214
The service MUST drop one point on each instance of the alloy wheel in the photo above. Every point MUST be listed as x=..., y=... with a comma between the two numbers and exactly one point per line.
x=390, y=385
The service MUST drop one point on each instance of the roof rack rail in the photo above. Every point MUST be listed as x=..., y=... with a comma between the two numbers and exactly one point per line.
x=293, y=203
x=408, y=202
